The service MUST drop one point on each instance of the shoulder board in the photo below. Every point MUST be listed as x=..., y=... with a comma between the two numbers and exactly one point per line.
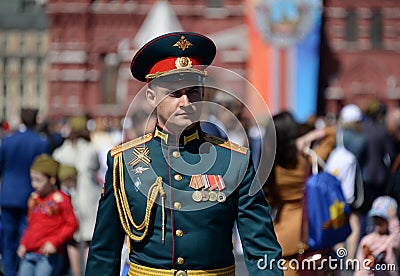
x=133, y=143
x=225, y=144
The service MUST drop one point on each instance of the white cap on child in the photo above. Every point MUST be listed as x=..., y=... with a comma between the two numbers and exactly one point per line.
x=381, y=205
x=350, y=113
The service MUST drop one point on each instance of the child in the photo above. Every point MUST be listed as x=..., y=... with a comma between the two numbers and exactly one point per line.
x=51, y=221
x=67, y=177
x=380, y=248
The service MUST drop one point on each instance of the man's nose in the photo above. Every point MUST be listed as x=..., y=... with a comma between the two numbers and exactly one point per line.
x=184, y=99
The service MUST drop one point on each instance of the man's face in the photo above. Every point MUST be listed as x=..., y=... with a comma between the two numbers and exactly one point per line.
x=175, y=108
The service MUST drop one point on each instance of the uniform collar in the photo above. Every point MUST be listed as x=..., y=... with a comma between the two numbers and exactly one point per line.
x=188, y=136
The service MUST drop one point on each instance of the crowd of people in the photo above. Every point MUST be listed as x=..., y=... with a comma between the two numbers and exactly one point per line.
x=372, y=135
x=66, y=198
x=74, y=163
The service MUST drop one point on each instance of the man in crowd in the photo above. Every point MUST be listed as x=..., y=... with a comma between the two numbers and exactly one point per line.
x=17, y=152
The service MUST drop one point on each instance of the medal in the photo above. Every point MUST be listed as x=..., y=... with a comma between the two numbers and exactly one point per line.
x=205, y=196
x=197, y=196
x=208, y=183
x=212, y=196
x=141, y=154
x=221, y=197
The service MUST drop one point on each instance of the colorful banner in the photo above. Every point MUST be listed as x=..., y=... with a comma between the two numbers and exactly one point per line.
x=305, y=56
x=283, y=61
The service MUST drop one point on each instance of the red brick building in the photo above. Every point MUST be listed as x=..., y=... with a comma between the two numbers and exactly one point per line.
x=93, y=42
x=360, y=53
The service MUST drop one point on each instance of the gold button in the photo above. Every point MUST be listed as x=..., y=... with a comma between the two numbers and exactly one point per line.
x=176, y=154
x=181, y=273
x=179, y=233
x=177, y=205
x=180, y=261
x=178, y=177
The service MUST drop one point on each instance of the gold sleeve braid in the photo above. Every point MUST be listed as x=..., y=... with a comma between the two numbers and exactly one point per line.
x=121, y=199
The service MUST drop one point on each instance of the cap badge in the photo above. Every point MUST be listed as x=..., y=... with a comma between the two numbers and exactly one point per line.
x=183, y=43
x=183, y=62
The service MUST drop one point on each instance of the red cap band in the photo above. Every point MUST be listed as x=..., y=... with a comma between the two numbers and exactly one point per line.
x=172, y=63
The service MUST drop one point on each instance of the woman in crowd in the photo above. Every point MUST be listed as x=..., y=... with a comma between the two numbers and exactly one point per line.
x=78, y=151
x=285, y=186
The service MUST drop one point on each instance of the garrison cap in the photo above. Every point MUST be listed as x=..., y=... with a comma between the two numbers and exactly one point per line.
x=46, y=165
x=178, y=52
x=78, y=123
x=65, y=172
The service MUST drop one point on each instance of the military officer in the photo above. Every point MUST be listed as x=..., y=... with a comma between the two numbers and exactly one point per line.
x=177, y=191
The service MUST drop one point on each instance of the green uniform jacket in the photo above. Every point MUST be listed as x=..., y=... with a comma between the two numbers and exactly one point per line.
x=198, y=235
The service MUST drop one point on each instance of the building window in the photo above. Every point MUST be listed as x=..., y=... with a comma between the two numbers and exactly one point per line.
x=109, y=77
x=215, y=3
x=28, y=6
x=351, y=26
x=376, y=29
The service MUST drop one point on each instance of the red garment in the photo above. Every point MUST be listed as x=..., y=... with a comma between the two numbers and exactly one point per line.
x=50, y=218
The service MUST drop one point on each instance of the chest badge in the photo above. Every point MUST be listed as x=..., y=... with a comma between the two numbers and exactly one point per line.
x=141, y=154
x=137, y=183
x=139, y=170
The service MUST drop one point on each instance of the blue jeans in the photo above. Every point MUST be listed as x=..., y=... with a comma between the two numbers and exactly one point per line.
x=34, y=264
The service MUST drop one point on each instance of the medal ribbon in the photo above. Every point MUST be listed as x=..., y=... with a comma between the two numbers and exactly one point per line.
x=213, y=180
x=221, y=183
x=208, y=181
x=196, y=182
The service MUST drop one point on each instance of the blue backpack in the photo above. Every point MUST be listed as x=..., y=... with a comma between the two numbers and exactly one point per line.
x=326, y=210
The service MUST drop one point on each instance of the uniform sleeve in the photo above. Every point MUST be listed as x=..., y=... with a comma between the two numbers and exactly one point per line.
x=256, y=230
x=108, y=237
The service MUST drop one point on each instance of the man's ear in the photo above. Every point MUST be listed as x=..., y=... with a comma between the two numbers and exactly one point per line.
x=151, y=97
